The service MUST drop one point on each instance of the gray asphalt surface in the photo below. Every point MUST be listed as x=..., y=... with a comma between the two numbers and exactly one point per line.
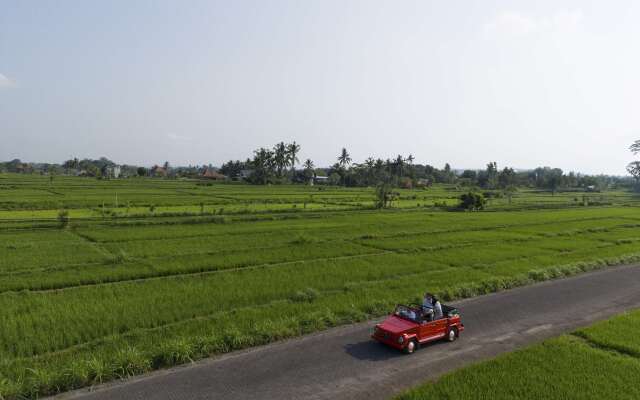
x=343, y=363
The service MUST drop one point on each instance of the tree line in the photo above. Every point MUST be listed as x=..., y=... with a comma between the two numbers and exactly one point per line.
x=279, y=165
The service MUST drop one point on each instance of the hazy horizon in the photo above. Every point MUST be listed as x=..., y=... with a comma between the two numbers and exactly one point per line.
x=521, y=83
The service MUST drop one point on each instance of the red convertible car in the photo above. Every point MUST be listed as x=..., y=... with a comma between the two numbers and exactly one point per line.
x=408, y=327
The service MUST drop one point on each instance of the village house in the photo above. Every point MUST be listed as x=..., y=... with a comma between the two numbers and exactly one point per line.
x=158, y=171
x=210, y=173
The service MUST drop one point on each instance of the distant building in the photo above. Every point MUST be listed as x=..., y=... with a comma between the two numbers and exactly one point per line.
x=210, y=173
x=244, y=174
x=114, y=171
x=423, y=182
x=592, y=188
x=321, y=180
x=158, y=171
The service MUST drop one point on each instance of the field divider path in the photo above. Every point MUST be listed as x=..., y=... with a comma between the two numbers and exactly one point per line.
x=603, y=347
x=92, y=243
x=394, y=235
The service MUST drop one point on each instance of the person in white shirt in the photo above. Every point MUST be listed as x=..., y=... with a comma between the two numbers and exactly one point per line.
x=437, y=308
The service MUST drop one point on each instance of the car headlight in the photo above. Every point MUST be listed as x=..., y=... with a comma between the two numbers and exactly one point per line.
x=401, y=339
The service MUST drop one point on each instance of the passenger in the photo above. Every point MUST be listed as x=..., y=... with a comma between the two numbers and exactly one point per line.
x=437, y=308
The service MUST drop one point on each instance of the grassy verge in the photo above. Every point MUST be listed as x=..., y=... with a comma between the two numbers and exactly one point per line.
x=599, y=362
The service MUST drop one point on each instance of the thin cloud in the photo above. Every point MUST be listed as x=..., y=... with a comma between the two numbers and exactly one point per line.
x=517, y=24
x=178, y=138
x=5, y=82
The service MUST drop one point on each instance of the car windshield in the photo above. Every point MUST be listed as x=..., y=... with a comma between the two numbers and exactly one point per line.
x=407, y=313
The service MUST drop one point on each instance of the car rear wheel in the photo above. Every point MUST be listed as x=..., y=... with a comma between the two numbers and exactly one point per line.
x=452, y=335
x=411, y=347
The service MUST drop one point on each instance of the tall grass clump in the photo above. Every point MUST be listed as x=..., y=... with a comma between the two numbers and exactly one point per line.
x=63, y=218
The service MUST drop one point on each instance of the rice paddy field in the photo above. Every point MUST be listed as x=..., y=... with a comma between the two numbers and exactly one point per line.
x=599, y=362
x=149, y=273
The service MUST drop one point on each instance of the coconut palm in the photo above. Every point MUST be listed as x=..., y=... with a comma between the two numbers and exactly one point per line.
x=344, y=159
x=292, y=152
x=280, y=157
x=309, y=171
x=410, y=159
x=308, y=164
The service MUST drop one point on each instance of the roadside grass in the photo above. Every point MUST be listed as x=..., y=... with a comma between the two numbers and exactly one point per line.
x=562, y=368
x=621, y=334
x=598, y=362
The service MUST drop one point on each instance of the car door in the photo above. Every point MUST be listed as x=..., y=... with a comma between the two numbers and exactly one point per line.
x=432, y=330
x=428, y=330
x=440, y=329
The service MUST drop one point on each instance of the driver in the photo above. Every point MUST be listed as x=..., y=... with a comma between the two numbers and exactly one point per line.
x=427, y=306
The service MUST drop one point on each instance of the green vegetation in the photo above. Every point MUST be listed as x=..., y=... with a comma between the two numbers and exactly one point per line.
x=472, y=201
x=600, y=362
x=149, y=273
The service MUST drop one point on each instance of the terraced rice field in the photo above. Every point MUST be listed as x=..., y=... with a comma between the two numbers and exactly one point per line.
x=179, y=270
x=599, y=362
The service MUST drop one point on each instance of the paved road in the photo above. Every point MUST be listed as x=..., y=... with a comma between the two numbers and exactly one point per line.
x=343, y=363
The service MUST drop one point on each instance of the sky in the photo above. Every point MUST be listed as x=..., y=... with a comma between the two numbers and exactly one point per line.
x=523, y=83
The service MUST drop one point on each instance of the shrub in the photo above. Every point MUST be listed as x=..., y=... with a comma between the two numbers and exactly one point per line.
x=384, y=195
x=63, y=218
x=472, y=201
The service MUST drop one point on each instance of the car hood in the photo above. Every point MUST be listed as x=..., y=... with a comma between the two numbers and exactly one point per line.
x=395, y=324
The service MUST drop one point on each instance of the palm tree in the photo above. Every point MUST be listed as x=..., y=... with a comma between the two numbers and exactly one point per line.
x=308, y=164
x=370, y=162
x=309, y=171
x=410, y=159
x=292, y=152
x=399, y=164
x=344, y=159
x=281, y=157
x=262, y=164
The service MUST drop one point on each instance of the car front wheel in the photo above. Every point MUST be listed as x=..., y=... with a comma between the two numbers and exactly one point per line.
x=411, y=347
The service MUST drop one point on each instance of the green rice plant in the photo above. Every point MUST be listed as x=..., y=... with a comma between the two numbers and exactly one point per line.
x=307, y=295
x=119, y=258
